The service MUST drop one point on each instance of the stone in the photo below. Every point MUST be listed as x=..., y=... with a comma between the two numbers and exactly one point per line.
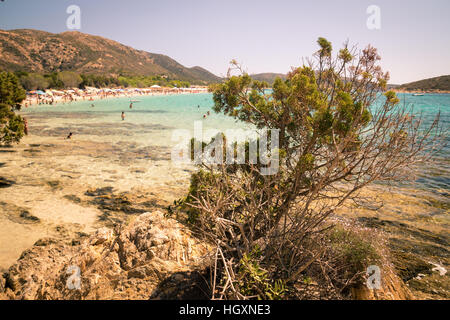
x=45, y=242
x=130, y=265
x=101, y=236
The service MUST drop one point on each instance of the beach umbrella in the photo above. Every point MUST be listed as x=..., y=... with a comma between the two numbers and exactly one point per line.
x=155, y=86
x=40, y=92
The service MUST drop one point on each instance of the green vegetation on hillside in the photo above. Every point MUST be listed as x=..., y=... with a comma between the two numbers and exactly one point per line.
x=68, y=79
x=441, y=83
x=268, y=77
x=41, y=52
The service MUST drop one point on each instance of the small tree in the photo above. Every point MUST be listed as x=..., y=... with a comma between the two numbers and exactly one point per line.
x=11, y=95
x=70, y=79
x=34, y=81
x=333, y=142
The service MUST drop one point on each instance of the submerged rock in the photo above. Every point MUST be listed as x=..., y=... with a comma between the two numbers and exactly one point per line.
x=413, y=249
x=28, y=216
x=18, y=214
x=99, y=192
x=5, y=183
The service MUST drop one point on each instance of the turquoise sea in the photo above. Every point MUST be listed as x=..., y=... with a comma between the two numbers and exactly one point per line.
x=152, y=120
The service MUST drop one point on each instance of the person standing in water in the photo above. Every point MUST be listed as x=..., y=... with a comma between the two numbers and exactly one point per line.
x=123, y=115
x=131, y=105
x=25, y=123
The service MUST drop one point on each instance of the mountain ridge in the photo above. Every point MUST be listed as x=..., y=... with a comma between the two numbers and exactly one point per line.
x=40, y=51
x=268, y=77
x=44, y=52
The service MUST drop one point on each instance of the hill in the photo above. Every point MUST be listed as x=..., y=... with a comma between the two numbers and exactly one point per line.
x=267, y=77
x=441, y=83
x=44, y=52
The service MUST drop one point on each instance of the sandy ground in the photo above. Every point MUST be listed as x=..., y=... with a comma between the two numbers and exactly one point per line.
x=49, y=178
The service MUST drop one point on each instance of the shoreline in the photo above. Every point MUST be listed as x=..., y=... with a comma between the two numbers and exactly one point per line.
x=421, y=91
x=52, y=97
x=65, y=190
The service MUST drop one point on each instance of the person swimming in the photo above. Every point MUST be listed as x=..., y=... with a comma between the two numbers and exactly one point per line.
x=123, y=115
x=92, y=105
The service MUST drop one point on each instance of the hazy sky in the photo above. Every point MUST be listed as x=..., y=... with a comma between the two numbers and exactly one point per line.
x=265, y=36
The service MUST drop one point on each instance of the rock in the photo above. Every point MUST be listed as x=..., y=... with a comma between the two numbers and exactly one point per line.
x=438, y=268
x=420, y=276
x=109, y=202
x=101, y=235
x=5, y=183
x=28, y=216
x=45, y=242
x=99, y=192
x=73, y=198
x=392, y=288
x=191, y=285
x=2, y=283
x=130, y=265
x=137, y=273
x=409, y=265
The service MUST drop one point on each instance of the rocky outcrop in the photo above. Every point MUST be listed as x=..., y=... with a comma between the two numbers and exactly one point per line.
x=392, y=288
x=153, y=257
x=111, y=264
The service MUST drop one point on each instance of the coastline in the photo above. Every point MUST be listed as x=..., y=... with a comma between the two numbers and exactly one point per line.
x=93, y=94
x=62, y=192
x=421, y=91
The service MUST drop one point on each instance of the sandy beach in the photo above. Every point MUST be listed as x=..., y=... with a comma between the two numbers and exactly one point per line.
x=51, y=97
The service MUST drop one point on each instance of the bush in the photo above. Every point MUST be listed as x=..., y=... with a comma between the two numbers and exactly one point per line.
x=11, y=92
x=11, y=95
x=34, y=81
x=12, y=126
x=351, y=253
x=333, y=144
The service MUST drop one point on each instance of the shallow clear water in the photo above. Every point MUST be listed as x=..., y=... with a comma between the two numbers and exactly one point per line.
x=153, y=119
x=434, y=176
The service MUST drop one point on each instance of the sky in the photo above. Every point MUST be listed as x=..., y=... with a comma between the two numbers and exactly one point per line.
x=264, y=36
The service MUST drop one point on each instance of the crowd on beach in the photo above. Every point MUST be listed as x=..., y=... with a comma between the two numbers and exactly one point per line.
x=50, y=97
